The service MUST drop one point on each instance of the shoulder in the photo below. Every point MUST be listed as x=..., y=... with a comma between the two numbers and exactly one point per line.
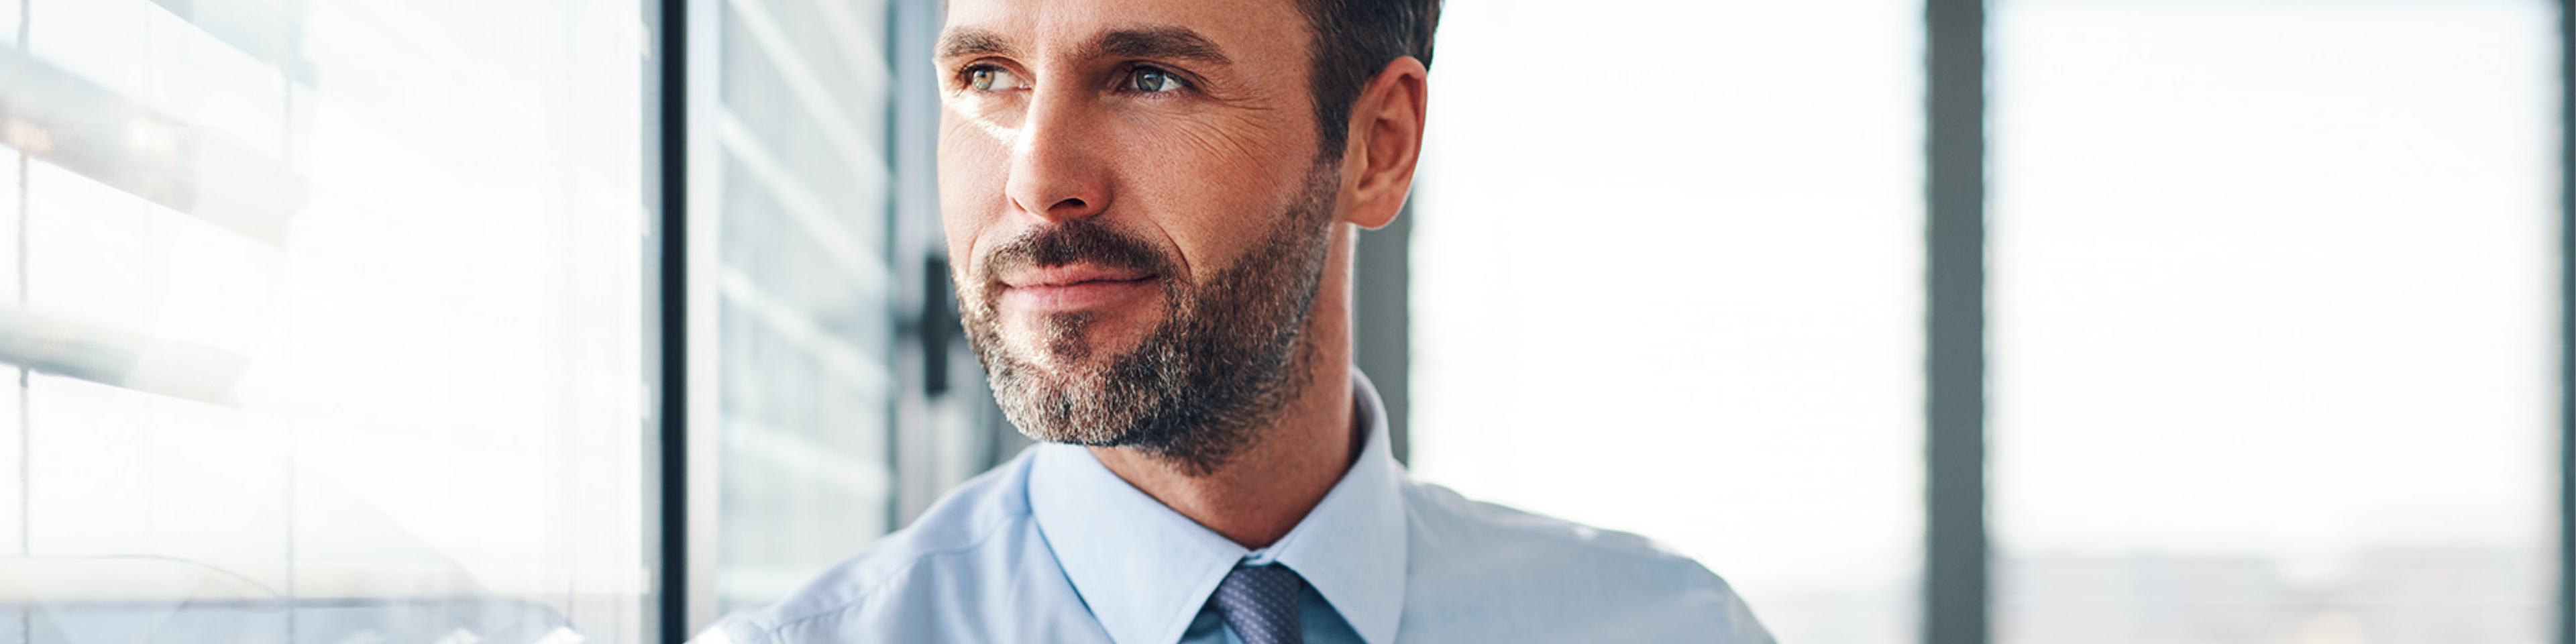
x=1447, y=528
x=1549, y=575
x=979, y=538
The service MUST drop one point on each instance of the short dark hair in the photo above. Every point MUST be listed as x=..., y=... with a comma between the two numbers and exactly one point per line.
x=1351, y=41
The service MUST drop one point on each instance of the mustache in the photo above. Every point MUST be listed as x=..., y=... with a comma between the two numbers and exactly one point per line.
x=1076, y=241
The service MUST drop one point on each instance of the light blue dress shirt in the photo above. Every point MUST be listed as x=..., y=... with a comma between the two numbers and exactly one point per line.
x=1053, y=547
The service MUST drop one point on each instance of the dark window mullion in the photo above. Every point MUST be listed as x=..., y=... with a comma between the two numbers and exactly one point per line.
x=670, y=253
x=1955, y=559
x=2565, y=613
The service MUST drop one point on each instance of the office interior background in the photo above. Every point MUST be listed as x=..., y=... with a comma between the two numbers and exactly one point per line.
x=2025, y=321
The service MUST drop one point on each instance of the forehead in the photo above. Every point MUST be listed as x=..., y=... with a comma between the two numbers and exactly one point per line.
x=1239, y=29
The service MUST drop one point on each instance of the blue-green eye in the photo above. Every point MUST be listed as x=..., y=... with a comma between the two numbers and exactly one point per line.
x=988, y=78
x=1151, y=80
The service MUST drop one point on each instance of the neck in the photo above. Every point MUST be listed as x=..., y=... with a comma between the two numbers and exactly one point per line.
x=1263, y=492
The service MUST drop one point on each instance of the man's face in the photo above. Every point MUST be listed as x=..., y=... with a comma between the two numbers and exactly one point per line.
x=1138, y=214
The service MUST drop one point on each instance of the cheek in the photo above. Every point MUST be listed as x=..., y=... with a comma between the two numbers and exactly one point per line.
x=972, y=173
x=1218, y=192
x=1235, y=147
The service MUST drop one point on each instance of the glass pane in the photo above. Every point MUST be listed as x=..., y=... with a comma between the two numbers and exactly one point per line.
x=2273, y=326
x=805, y=318
x=1686, y=303
x=323, y=322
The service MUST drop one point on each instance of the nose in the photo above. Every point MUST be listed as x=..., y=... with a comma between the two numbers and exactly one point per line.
x=1056, y=169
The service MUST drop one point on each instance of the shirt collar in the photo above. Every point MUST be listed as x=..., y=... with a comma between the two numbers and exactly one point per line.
x=1144, y=570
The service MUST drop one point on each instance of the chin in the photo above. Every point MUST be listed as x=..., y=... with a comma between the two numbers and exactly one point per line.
x=1074, y=342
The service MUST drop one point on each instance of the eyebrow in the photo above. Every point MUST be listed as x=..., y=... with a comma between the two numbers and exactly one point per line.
x=1174, y=43
x=969, y=41
x=1177, y=43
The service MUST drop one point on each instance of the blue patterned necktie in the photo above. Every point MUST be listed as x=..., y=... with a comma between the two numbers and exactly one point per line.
x=1260, y=602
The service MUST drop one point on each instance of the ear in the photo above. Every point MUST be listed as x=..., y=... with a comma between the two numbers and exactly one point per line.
x=1385, y=140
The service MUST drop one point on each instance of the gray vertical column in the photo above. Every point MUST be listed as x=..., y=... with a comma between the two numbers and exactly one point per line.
x=2566, y=595
x=1955, y=588
x=667, y=130
x=1382, y=333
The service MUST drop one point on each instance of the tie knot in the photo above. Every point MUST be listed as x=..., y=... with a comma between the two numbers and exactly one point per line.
x=1260, y=602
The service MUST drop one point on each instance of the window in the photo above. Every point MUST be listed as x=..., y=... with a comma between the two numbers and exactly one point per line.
x=2272, y=308
x=2274, y=293
x=1679, y=294
x=832, y=413
x=804, y=324
x=325, y=322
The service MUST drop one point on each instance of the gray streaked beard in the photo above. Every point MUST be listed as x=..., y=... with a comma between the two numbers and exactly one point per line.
x=1227, y=358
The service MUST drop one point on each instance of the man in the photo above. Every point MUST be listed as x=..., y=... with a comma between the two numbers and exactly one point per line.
x=1152, y=204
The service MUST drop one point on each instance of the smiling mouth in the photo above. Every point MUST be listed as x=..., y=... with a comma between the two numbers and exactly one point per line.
x=1075, y=286
x=1063, y=275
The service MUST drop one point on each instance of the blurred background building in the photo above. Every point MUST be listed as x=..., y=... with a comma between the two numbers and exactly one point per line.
x=2022, y=321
